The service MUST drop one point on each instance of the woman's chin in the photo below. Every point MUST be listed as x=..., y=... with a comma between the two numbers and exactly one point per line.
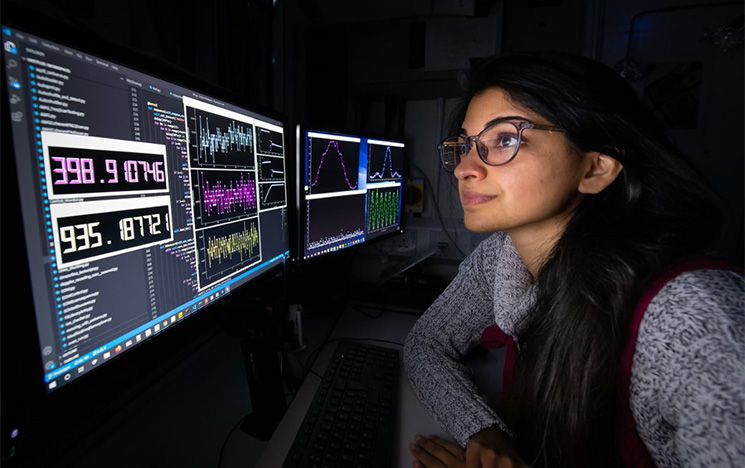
x=479, y=226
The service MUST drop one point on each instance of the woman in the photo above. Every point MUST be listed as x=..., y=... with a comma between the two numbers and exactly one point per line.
x=589, y=206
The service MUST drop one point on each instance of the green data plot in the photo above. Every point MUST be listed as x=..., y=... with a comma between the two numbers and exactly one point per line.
x=382, y=208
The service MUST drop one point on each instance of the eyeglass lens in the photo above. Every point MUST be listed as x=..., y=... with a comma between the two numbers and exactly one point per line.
x=495, y=145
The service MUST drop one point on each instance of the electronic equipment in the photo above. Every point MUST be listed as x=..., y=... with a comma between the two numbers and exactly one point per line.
x=352, y=419
x=142, y=201
x=353, y=190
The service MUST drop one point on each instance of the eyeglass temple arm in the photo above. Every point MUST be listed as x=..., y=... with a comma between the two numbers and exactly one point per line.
x=550, y=128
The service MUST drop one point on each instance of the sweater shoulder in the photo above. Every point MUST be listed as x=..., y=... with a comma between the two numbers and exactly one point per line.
x=686, y=382
x=687, y=306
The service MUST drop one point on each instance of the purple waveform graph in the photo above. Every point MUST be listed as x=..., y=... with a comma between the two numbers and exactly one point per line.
x=384, y=162
x=238, y=196
x=328, y=176
x=223, y=196
x=387, y=160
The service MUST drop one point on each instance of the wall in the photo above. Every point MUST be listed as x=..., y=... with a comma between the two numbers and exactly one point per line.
x=713, y=143
x=597, y=28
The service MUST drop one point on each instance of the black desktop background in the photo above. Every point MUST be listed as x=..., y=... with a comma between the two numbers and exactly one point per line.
x=262, y=54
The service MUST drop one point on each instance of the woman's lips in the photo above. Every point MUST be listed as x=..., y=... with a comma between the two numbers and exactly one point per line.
x=472, y=199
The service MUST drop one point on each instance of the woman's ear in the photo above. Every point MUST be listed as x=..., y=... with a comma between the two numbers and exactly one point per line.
x=600, y=171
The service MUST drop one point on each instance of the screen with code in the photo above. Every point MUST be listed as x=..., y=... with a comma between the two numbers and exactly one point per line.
x=142, y=201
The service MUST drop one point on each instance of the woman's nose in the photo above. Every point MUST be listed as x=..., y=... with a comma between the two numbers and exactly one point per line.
x=470, y=164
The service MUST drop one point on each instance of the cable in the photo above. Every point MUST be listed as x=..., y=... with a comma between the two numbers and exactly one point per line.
x=381, y=311
x=437, y=208
x=225, y=442
x=323, y=343
x=378, y=340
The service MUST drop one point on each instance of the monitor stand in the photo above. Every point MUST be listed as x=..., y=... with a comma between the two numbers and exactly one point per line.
x=261, y=348
x=261, y=359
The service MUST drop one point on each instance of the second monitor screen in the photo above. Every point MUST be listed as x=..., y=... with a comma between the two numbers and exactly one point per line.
x=353, y=190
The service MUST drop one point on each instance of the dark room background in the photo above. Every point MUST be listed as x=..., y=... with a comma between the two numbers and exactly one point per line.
x=394, y=68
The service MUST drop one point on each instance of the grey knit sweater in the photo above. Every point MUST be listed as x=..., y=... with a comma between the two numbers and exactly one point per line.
x=688, y=373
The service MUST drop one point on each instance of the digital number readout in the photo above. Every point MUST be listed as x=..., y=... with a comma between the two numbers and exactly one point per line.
x=87, y=171
x=106, y=233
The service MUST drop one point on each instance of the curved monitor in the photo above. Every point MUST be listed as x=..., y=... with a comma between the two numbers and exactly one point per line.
x=142, y=201
x=353, y=188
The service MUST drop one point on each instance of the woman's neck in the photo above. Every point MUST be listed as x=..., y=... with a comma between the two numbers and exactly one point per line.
x=535, y=243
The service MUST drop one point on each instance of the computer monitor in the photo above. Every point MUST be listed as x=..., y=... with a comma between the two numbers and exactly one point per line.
x=142, y=201
x=353, y=190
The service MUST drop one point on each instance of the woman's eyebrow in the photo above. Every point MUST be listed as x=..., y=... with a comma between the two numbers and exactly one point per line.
x=508, y=117
x=497, y=120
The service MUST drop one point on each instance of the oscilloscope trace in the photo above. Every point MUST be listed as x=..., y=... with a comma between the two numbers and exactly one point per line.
x=269, y=142
x=216, y=141
x=227, y=249
x=389, y=169
x=272, y=195
x=334, y=167
x=383, y=208
x=221, y=195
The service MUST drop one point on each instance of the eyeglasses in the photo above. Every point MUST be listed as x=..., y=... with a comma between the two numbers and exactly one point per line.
x=496, y=145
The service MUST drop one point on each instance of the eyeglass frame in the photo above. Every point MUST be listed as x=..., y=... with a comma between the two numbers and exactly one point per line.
x=520, y=124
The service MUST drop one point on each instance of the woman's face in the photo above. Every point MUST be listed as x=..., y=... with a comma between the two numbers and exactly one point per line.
x=531, y=195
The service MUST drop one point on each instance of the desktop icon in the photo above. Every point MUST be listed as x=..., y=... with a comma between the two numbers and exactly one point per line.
x=15, y=99
x=173, y=318
x=148, y=332
x=67, y=376
x=128, y=343
x=157, y=327
x=16, y=116
x=10, y=47
x=12, y=64
x=106, y=355
x=118, y=349
x=52, y=384
x=180, y=315
x=81, y=369
x=138, y=338
x=94, y=362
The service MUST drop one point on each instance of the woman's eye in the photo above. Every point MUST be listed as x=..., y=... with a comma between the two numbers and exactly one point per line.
x=505, y=140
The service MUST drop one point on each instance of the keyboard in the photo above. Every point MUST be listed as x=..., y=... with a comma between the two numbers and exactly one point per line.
x=352, y=420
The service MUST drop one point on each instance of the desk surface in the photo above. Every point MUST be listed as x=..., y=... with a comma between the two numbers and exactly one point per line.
x=413, y=418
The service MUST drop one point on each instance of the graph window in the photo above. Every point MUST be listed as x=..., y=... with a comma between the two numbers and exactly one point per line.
x=353, y=190
x=142, y=201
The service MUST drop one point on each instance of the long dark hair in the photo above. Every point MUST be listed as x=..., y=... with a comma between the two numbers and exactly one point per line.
x=562, y=402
